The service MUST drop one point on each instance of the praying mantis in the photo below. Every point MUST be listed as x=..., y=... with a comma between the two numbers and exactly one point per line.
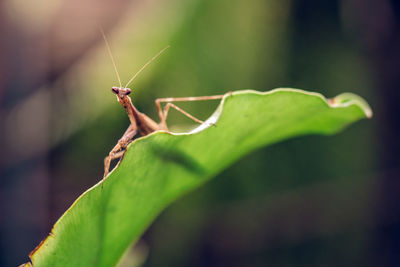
x=140, y=123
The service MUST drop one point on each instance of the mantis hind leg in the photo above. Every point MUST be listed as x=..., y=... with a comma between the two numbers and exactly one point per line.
x=163, y=113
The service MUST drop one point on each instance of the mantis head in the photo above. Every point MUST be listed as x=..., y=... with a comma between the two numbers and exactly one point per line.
x=120, y=91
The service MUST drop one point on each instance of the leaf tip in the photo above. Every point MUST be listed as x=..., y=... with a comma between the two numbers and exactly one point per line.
x=347, y=99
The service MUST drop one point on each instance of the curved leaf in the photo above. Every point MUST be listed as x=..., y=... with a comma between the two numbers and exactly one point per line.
x=160, y=167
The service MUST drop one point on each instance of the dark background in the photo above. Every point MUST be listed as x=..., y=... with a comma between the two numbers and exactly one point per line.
x=309, y=201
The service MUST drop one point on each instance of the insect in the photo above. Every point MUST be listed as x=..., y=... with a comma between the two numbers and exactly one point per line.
x=141, y=124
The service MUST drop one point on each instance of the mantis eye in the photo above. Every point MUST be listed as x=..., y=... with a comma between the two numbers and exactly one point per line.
x=115, y=90
x=128, y=91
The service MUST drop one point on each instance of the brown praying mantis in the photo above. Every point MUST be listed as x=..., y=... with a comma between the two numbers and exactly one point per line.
x=140, y=123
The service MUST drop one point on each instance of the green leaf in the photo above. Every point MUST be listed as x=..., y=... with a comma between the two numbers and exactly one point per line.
x=157, y=169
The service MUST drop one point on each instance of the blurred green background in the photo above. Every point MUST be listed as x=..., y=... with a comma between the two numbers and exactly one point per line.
x=310, y=201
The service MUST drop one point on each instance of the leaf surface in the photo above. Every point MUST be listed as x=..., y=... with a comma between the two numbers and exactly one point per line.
x=157, y=169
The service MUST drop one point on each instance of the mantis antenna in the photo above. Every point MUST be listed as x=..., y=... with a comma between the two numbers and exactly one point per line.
x=111, y=56
x=145, y=65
